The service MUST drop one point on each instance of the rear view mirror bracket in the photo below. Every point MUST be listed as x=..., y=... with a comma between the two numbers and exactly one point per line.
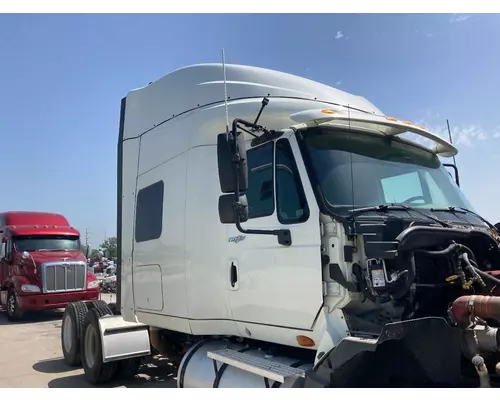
x=454, y=167
x=284, y=235
x=233, y=179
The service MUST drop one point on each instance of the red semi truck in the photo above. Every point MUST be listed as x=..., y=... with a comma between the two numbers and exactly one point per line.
x=42, y=265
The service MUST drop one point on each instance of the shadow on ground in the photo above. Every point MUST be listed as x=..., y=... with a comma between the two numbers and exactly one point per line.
x=53, y=366
x=154, y=373
x=33, y=317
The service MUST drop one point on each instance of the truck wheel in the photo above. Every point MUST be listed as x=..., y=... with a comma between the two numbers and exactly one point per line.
x=96, y=371
x=112, y=307
x=100, y=304
x=14, y=311
x=71, y=331
x=128, y=368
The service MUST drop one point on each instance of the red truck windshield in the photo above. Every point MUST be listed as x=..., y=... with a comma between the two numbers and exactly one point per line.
x=47, y=243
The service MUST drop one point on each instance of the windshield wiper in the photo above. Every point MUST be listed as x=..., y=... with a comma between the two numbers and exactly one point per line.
x=462, y=210
x=396, y=207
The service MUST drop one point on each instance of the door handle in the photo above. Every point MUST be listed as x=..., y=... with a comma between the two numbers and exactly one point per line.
x=234, y=275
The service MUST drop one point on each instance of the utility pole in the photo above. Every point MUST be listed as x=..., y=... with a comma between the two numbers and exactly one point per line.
x=86, y=237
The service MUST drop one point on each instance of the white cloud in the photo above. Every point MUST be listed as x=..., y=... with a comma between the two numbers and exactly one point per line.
x=424, y=33
x=459, y=18
x=496, y=135
x=339, y=35
x=462, y=136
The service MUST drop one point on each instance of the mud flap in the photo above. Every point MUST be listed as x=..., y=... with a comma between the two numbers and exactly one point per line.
x=423, y=352
x=122, y=340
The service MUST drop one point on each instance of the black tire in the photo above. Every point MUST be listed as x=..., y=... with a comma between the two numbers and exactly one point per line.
x=112, y=307
x=128, y=368
x=76, y=313
x=99, y=304
x=96, y=371
x=14, y=311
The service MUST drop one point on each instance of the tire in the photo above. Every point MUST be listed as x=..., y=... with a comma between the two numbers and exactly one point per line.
x=99, y=304
x=71, y=332
x=96, y=372
x=128, y=368
x=112, y=307
x=14, y=311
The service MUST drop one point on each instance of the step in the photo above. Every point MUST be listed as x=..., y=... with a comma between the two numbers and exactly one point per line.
x=256, y=365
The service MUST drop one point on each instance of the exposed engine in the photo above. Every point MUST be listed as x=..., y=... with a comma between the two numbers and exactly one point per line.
x=435, y=291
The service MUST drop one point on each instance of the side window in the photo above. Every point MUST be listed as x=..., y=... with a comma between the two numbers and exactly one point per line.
x=400, y=188
x=149, y=213
x=260, y=193
x=290, y=197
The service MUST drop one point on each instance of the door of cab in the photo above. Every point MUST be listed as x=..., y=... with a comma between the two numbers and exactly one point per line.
x=272, y=284
x=5, y=257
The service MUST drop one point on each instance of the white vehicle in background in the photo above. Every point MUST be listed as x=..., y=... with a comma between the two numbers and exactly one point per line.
x=277, y=232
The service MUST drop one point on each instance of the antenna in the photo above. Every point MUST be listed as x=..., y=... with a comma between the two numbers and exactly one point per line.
x=451, y=141
x=350, y=156
x=225, y=90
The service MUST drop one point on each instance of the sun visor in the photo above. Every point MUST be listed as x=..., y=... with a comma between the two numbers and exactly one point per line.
x=343, y=117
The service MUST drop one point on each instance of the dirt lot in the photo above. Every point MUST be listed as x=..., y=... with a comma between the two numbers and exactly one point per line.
x=32, y=357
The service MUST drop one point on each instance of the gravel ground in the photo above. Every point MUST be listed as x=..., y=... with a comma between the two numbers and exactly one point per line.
x=32, y=357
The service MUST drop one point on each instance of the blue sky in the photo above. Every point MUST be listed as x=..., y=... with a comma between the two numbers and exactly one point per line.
x=62, y=78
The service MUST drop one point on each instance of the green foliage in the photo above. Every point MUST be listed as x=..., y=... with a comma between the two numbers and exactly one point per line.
x=109, y=246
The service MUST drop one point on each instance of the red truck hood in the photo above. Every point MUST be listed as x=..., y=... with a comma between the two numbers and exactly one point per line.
x=41, y=257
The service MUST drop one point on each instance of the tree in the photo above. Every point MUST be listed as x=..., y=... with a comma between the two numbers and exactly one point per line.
x=93, y=253
x=109, y=246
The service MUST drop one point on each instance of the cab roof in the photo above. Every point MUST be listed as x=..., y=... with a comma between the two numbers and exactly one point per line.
x=33, y=218
x=36, y=223
x=200, y=85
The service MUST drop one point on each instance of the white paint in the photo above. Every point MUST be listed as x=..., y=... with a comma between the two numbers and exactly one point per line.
x=169, y=285
x=129, y=171
x=148, y=291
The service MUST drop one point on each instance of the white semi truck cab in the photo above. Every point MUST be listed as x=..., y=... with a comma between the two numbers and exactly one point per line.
x=277, y=232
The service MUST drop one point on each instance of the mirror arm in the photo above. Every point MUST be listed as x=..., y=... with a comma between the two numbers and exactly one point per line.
x=457, y=179
x=284, y=235
x=247, y=124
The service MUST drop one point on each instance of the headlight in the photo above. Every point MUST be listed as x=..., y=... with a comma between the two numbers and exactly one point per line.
x=92, y=284
x=30, y=288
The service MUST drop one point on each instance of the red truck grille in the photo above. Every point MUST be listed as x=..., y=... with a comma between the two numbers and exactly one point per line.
x=64, y=276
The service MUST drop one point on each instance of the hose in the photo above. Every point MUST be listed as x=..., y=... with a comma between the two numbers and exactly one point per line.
x=452, y=247
x=473, y=272
x=455, y=246
x=484, y=275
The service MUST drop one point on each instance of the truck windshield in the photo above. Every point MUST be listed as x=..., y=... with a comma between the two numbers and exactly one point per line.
x=356, y=170
x=47, y=243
